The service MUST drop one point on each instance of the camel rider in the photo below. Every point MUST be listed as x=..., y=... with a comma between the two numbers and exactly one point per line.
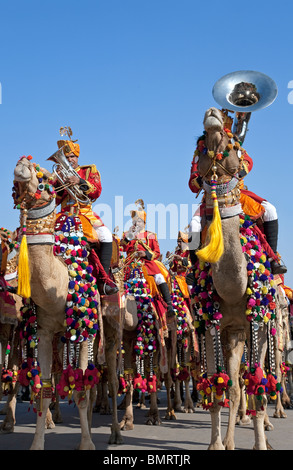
x=180, y=264
x=180, y=261
x=144, y=245
x=89, y=181
x=252, y=205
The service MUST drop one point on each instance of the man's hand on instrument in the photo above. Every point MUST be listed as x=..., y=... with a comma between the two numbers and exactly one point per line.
x=141, y=254
x=73, y=179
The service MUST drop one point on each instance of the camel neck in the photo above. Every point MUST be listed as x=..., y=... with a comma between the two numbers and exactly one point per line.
x=230, y=272
x=214, y=141
x=41, y=224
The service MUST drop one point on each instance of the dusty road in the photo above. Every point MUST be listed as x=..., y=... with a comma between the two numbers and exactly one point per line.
x=189, y=433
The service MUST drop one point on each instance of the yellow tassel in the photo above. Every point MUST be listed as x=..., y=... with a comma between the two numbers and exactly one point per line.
x=212, y=252
x=24, y=288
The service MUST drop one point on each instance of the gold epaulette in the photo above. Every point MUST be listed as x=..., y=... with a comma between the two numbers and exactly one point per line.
x=151, y=235
x=90, y=169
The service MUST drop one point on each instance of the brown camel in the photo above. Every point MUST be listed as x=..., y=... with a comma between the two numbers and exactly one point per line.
x=9, y=336
x=280, y=344
x=151, y=365
x=186, y=350
x=272, y=354
x=229, y=273
x=49, y=289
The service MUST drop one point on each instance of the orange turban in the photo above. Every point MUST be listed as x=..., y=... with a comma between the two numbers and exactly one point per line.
x=140, y=214
x=69, y=147
x=182, y=236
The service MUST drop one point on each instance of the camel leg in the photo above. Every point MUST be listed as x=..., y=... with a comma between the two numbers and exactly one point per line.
x=168, y=384
x=8, y=424
x=259, y=425
x=111, y=341
x=285, y=400
x=98, y=401
x=290, y=383
x=215, y=409
x=234, y=347
x=177, y=402
x=261, y=419
x=153, y=414
x=141, y=400
x=105, y=408
x=279, y=410
x=57, y=415
x=188, y=403
x=45, y=361
x=242, y=419
x=84, y=404
x=49, y=423
x=82, y=400
x=126, y=423
x=216, y=439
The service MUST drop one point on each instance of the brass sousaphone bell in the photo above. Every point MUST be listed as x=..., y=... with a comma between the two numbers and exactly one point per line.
x=243, y=92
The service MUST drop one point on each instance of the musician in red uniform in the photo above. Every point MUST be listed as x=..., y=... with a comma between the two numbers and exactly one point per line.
x=89, y=181
x=181, y=262
x=179, y=266
x=144, y=245
x=252, y=205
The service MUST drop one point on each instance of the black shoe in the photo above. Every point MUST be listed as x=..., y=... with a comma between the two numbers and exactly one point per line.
x=110, y=290
x=277, y=268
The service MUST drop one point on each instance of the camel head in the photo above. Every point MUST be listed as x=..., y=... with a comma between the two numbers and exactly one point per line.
x=213, y=120
x=31, y=184
x=218, y=141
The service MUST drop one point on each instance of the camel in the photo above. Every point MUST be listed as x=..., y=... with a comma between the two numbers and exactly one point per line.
x=218, y=165
x=49, y=280
x=187, y=349
x=9, y=335
x=272, y=356
x=141, y=374
x=282, y=346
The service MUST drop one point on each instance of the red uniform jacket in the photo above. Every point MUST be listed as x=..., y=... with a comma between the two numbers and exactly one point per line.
x=149, y=245
x=179, y=267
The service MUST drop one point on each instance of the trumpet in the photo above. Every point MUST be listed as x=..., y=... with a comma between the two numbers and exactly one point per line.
x=168, y=260
x=63, y=170
x=131, y=234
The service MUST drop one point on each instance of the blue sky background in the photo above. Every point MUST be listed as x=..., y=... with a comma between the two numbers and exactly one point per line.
x=133, y=79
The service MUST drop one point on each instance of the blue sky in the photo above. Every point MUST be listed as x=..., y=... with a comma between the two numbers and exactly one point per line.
x=133, y=79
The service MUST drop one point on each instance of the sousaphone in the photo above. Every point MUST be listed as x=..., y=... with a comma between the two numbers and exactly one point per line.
x=244, y=92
